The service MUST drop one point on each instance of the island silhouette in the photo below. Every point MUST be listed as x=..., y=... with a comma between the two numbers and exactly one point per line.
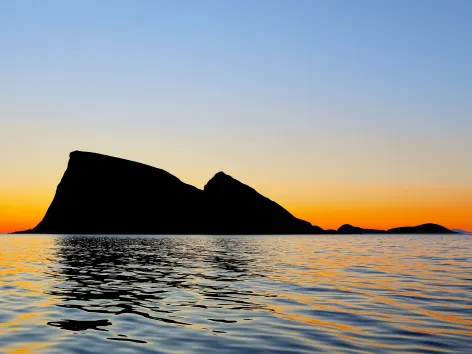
x=100, y=194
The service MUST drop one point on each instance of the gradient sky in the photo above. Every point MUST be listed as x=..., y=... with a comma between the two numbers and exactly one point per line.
x=342, y=111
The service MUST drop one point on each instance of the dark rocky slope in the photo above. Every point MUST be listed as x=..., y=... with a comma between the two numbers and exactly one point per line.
x=231, y=202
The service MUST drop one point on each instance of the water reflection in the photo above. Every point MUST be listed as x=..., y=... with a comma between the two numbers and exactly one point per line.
x=72, y=325
x=156, y=278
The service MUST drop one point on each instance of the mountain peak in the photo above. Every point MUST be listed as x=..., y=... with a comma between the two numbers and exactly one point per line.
x=77, y=153
x=221, y=175
x=237, y=204
x=222, y=180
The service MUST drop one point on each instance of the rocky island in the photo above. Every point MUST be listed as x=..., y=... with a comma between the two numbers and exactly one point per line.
x=101, y=194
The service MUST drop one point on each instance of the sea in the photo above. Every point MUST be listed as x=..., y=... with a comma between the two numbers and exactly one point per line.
x=236, y=294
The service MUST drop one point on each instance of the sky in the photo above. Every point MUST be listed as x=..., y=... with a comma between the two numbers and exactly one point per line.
x=353, y=112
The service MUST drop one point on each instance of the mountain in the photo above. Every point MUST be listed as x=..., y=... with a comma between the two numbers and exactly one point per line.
x=100, y=194
x=421, y=229
x=347, y=229
x=231, y=202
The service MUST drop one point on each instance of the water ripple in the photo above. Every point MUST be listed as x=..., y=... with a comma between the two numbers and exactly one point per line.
x=282, y=294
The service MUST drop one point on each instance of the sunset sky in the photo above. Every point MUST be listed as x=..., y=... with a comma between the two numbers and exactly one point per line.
x=353, y=112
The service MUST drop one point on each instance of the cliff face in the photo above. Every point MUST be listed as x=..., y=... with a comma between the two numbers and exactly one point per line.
x=99, y=194
x=103, y=194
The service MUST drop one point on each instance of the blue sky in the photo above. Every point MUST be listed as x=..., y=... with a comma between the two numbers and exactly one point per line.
x=318, y=95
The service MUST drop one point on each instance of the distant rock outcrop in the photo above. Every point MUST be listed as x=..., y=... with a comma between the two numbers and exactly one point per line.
x=330, y=231
x=347, y=229
x=100, y=194
x=421, y=229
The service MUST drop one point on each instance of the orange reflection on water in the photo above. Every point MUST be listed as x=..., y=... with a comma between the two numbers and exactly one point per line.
x=29, y=348
x=358, y=276
x=23, y=264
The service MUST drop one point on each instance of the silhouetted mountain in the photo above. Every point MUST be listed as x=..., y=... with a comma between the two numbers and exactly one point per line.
x=100, y=194
x=421, y=229
x=231, y=202
x=347, y=229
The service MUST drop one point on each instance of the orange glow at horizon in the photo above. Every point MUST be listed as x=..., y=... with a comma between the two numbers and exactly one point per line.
x=24, y=210
x=387, y=217
x=452, y=210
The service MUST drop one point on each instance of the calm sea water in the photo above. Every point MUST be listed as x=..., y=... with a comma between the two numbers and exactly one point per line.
x=226, y=294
